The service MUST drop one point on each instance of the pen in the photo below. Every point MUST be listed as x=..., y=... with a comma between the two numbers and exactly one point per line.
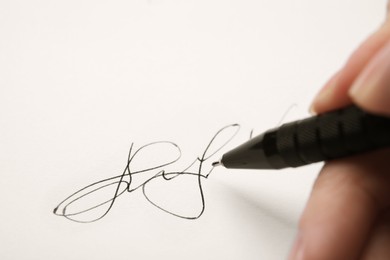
x=324, y=137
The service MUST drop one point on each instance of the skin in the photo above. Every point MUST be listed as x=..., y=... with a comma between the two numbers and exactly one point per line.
x=348, y=213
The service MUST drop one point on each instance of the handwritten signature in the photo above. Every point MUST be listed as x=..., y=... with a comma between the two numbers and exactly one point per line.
x=70, y=207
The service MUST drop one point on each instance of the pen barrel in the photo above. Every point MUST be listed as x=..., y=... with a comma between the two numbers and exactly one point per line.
x=331, y=135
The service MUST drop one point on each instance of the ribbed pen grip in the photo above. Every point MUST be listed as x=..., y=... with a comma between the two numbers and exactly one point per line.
x=332, y=135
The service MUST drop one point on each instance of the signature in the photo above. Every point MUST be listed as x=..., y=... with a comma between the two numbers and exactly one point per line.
x=95, y=201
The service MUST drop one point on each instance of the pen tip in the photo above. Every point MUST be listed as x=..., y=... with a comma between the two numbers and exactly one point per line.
x=215, y=164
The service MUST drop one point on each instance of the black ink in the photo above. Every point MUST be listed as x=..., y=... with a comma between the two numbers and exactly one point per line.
x=123, y=183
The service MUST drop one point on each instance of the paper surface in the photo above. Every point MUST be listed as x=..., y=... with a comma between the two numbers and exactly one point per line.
x=82, y=80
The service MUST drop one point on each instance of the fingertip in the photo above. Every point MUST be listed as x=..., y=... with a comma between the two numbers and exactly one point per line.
x=371, y=90
x=325, y=98
x=312, y=110
x=388, y=9
x=333, y=95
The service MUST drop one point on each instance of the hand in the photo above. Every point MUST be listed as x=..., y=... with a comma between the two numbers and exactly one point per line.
x=348, y=213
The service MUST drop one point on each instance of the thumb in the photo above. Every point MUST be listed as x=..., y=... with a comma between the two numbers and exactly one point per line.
x=371, y=90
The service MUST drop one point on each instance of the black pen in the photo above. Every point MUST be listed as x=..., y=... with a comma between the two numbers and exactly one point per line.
x=318, y=138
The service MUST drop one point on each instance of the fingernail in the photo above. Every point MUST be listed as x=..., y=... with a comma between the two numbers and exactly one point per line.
x=325, y=94
x=371, y=89
x=297, y=249
x=312, y=110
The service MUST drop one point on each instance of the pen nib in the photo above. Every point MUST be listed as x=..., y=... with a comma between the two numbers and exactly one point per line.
x=215, y=164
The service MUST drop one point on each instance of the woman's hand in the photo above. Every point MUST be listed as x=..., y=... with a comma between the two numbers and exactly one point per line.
x=348, y=213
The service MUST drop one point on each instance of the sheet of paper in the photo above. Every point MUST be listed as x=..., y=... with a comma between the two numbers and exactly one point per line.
x=80, y=81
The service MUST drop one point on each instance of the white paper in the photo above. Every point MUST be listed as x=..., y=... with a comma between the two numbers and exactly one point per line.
x=82, y=80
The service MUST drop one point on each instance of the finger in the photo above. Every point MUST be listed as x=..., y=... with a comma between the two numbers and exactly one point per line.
x=378, y=245
x=372, y=88
x=343, y=206
x=388, y=8
x=335, y=93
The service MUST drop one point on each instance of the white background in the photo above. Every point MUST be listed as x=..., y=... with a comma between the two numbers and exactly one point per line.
x=81, y=80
